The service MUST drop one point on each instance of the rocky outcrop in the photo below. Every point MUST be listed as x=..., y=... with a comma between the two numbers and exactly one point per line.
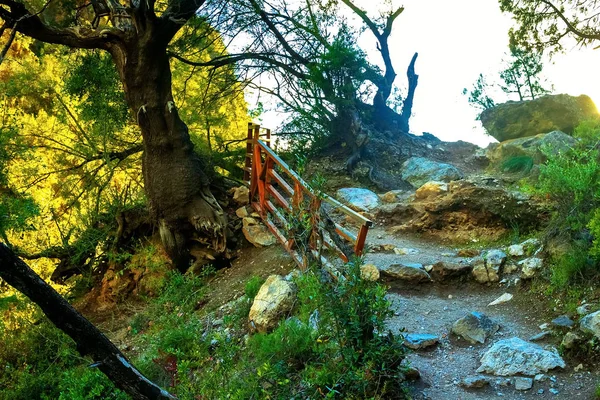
x=431, y=190
x=536, y=147
x=418, y=170
x=256, y=233
x=514, y=120
x=475, y=327
x=530, y=267
x=515, y=356
x=475, y=209
x=358, y=198
x=275, y=299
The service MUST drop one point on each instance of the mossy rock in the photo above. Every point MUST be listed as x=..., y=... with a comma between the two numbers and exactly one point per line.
x=518, y=119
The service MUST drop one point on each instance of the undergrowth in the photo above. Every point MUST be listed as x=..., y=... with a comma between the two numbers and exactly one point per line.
x=334, y=346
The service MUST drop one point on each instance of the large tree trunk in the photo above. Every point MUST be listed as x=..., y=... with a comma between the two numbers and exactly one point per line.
x=90, y=341
x=174, y=175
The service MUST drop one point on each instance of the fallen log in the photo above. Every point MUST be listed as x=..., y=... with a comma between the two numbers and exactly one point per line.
x=89, y=340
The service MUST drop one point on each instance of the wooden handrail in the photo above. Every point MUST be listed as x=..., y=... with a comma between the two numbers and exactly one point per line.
x=265, y=185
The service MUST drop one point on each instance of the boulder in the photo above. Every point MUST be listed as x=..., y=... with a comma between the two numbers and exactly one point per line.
x=358, y=198
x=418, y=341
x=369, y=272
x=537, y=147
x=418, y=171
x=518, y=119
x=241, y=195
x=516, y=250
x=515, y=356
x=431, y=189
x=530, y=266
x=256, y=233
x=274, y=300
x=591, y=324
x=406, y=272
x=475, y=327
x=442, y=270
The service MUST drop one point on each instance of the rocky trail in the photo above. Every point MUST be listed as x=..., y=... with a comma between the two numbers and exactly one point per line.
x=431, y=308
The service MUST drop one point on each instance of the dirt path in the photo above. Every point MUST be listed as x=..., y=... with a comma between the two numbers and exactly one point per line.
x=433, y=307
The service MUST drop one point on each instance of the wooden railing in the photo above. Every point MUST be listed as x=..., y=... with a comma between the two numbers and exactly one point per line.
x=282, y=197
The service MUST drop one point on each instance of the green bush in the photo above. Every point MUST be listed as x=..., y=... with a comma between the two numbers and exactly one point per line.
x=88, y=384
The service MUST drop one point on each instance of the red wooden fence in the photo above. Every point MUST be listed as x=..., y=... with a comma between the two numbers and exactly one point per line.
x=277, y=193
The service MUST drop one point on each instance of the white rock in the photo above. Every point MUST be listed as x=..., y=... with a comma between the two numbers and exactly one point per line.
x=358, y=198
x=273, y=301
x=502, y=299
x=404, y=251
x=515, y=356
x=591, y=324
x=516, y=250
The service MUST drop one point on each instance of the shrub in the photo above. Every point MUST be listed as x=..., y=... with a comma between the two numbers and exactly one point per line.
x=515, y=164
x=253, y=286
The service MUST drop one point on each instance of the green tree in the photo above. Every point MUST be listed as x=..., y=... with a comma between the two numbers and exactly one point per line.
x=522, y=74
x=136, y=38
x=478, y=96
x=546, y=23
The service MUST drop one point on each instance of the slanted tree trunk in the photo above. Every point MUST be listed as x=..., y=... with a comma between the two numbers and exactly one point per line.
x=90, y=341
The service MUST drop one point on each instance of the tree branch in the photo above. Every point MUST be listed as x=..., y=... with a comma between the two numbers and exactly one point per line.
x=31, y=25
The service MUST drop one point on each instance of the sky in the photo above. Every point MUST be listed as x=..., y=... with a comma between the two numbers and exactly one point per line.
x=458, y=40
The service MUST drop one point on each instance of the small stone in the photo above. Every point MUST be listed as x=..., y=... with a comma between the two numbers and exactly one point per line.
x=530, y=266
x=358, y=198
x=256, y=233
x=502, y=299
x=412, y=374
x=540, y=378
x=474, y=382
x=570, y=340
x=544, y=326
x=583, y=309
x=241, y=195
x=540, y=391
x=510, y=268
x=563, y=322
x=418, y=341
x=540, y=336
x=450, y=296
x=553, y=391
x=578, y=368
x=241, y=212
x=522, y=383
x=516, y=250
x=404, y=251
x=484, y=273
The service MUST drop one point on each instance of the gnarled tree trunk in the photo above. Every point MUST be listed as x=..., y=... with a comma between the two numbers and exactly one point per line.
x=174, y=175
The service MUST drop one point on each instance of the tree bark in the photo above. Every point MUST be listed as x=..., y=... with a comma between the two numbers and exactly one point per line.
x=90, y=341
x=175, y=180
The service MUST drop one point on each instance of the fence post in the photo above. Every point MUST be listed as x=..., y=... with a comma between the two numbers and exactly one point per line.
x=248, y=162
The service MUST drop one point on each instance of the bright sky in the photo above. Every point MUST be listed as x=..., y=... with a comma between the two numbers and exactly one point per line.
x=456, y=41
